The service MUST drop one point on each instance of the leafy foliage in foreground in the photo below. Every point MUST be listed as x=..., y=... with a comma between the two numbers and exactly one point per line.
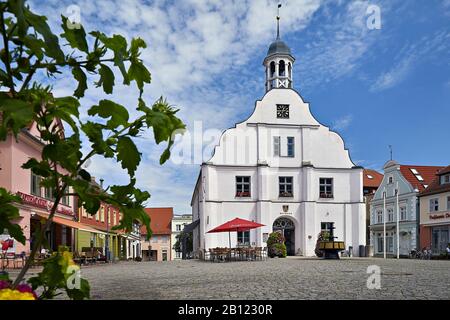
x=32, y=51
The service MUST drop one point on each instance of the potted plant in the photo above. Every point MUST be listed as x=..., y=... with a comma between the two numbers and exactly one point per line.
x=276, y=246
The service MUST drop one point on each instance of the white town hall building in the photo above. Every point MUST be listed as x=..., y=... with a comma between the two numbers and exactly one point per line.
x=281, y=168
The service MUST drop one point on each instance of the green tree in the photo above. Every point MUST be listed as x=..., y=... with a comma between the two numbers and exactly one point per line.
x=32, y=52
x=179, y=240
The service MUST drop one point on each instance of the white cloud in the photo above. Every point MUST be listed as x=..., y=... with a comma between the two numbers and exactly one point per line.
x=408, y=58
x=342, y=123
x=199, y=52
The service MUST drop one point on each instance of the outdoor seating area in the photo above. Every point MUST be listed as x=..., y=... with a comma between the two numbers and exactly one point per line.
x=236, y=254
x=11, y=260
x=89, y=255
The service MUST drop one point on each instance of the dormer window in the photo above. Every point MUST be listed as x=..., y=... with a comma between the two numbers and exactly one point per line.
x=445, y=179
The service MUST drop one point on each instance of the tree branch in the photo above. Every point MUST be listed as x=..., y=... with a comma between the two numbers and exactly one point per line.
x=7, y=62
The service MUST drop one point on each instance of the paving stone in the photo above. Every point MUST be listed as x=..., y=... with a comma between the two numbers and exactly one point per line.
x=290, y=278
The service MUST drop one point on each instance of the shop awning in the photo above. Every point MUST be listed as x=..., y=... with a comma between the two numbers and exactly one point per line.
x=68, y=223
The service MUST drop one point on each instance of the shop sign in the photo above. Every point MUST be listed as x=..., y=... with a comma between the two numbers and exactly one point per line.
x=440, y=216
x=43, y=204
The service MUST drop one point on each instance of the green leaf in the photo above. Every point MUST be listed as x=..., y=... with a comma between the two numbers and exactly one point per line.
x=35, y=45
x=75, y=36
x=39, y=23
x=128, y=154
x=9, y=212
x=94, y=132
x=106, y=79
x=137, y=43
x=69, y=105
x=16, y=114
x=80, y=76
x=17, y=7
x=107, y=108
x=139, y=73
x=118, y=44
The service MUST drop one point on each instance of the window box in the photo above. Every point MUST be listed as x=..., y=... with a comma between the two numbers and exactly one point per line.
x=286, y=194
x=243, y=194
x=326, y=195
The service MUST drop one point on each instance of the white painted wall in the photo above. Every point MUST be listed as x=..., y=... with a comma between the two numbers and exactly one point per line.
x=247, y=150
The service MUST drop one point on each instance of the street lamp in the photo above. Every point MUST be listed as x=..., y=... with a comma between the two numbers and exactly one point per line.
x=107, y=229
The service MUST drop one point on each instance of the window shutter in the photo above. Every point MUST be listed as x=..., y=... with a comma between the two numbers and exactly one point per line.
x=276, y=146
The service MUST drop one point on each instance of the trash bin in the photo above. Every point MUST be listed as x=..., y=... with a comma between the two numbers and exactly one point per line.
x=362, y=251
x=350, y=251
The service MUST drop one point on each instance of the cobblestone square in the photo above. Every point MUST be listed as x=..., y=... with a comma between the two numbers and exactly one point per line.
x=290, y=278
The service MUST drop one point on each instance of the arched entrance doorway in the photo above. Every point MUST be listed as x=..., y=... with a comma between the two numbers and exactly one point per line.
x=287, y=228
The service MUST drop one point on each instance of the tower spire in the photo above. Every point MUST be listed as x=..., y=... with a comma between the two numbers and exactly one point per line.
x=278, y=22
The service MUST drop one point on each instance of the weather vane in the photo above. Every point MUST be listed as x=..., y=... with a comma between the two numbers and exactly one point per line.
x=390, y=149
x=278, y=22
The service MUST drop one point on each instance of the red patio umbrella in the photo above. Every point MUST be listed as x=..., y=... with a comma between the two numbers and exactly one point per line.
x=236, y=225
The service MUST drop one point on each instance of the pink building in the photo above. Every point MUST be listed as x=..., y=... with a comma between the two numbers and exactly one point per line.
x=36, y=200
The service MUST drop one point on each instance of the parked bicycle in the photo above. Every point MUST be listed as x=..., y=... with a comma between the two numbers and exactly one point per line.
x=416, y=254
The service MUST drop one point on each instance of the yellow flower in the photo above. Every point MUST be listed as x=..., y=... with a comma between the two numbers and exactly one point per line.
x=9, y=294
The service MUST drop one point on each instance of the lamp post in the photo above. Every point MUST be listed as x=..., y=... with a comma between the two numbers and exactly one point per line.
x=107, y=229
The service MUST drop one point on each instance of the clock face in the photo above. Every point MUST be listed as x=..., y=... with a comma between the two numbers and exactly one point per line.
x=283, y=111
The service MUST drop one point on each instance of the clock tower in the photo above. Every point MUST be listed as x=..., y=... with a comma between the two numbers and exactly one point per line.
x=278, y=63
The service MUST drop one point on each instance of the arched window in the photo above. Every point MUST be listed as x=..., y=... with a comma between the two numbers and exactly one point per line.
x=272, y=69
x=289, y=70
x=282, y=71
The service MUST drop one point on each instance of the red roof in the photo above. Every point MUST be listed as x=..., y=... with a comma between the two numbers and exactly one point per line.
x=428, y=173
x=161, y=220
x=372, y=178
x=436, y=186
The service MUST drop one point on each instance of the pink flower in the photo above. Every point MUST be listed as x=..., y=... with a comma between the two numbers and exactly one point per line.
x=4, y=284
x=26, y=288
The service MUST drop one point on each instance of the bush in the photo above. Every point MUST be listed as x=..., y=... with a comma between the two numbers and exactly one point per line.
x=323, y=236
x=278, y=250
x=276, y=245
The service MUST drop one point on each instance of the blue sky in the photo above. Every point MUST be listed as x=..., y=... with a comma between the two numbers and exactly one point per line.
x=375, y=87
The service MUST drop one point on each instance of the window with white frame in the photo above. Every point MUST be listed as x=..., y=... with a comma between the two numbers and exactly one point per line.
x=49, y=193
x=102, y=214
x=35, y=185
x=390, y=214
x=379, y=216
x=290, y=146
x=390, y=242
x=242, y=186
x=276, y=146
x=390, y=179
x=65, y=199
x=380, y=245
x=243, y=237
x=178, y=227
x=403, y=213
x=434, y=204
x=445, y=179
x=326, y=187
x=83, y=212
x=448, y=203
x=285, y=186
